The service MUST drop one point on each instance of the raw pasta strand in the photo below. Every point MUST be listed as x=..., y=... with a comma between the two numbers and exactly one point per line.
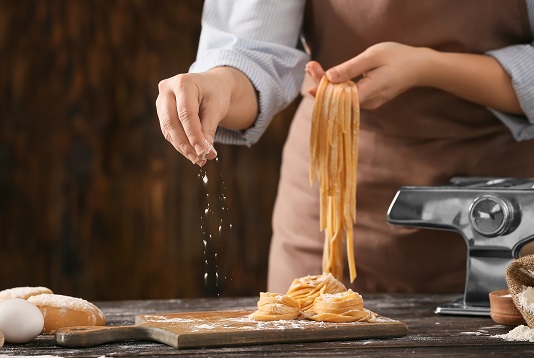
x=347, y=141
x=353, y=170
x=314, y=130
x=355, y=138
x=332, y=136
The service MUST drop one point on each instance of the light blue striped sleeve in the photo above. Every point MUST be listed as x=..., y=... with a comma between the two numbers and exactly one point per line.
x=259, y=38
x=518, y=62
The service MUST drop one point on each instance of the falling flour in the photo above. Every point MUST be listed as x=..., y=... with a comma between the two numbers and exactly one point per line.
x=214, y=230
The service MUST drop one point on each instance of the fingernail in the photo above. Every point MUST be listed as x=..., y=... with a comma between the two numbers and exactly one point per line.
x=210, y=148
x=199, y=149
x=193, y=158
x=331, y=75
x=202, y=162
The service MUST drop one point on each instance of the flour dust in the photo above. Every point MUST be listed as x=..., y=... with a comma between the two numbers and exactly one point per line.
x=215, y=227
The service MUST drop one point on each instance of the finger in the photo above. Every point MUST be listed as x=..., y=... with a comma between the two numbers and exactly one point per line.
x=315, y=71
x=209, y=122
x=351, y=68
x=211, y=152
x=364, y=87
x=187, y=107
x=370, y=93
x=171, y=128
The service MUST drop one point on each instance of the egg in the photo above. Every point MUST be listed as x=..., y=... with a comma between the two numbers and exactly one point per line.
x=20, y=320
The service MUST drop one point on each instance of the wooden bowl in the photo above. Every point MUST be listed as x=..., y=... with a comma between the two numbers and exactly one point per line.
x=503, y=310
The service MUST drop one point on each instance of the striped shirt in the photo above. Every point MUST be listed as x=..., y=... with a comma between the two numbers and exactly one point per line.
x=259, y=37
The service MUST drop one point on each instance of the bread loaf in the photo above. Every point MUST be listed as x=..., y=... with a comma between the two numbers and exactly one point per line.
x=64, y=311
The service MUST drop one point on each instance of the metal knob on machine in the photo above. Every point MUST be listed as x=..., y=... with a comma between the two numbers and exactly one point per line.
x=491, y=215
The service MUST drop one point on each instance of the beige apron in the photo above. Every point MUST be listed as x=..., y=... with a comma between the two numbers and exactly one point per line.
x=422, y=137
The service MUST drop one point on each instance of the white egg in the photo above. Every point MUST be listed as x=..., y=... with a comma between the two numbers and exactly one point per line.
x=20, y=320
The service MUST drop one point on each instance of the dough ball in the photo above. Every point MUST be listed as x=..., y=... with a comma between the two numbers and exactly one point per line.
x=23, y=292
x=20, y=320
x=64, y=311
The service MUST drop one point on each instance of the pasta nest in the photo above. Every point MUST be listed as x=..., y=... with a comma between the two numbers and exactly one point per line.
x=340, y=307
x=306, y=289
x=274, y=306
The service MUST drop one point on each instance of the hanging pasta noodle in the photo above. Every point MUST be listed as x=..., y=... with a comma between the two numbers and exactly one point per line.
x=333, y=161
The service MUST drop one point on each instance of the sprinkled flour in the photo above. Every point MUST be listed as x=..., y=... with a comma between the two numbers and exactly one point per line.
x=170, y=320
x=476, y=333
x=240, y=323
x=67, y=302
x=23, y=292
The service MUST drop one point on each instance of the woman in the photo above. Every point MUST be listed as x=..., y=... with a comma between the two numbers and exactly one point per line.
x=445, y=90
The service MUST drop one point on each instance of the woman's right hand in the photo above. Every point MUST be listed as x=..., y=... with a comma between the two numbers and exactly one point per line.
x=190, y=107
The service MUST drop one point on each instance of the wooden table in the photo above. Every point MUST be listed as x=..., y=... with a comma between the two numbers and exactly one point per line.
x=429, y=334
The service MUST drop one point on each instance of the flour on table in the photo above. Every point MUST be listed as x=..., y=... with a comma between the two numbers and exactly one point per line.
x=477, y=333
x=203, y=326
x=519, y=333
x=170, y=320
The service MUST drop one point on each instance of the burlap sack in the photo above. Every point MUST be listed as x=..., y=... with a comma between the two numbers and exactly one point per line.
x=520, y=274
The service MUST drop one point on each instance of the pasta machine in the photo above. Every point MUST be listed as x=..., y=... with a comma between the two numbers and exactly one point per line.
x=495, y=216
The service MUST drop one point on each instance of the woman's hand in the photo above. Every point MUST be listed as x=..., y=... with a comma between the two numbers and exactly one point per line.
x=191, y=106
x=388, y=69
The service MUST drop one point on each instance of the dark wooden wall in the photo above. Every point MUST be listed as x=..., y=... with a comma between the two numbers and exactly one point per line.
x=94, y=202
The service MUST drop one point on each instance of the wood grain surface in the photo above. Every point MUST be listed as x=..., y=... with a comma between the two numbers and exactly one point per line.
x=226, y=328
x=94, y=202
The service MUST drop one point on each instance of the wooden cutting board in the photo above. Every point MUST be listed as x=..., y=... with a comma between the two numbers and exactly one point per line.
x=226, y=328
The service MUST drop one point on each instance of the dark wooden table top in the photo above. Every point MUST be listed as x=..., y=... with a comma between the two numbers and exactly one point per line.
x=429, y=334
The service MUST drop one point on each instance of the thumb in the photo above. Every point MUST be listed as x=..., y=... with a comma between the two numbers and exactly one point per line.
x=209, y=127
x=350, y=69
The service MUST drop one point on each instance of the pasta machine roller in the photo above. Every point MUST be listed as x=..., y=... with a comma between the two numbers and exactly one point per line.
x=495, y=216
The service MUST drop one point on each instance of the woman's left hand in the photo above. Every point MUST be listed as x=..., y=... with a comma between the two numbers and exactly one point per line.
x=387, y=69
